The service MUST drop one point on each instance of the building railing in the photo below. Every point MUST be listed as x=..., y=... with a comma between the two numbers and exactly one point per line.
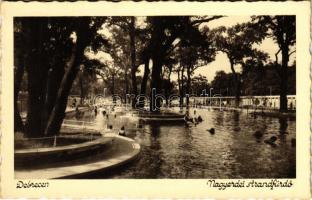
x=266, y=102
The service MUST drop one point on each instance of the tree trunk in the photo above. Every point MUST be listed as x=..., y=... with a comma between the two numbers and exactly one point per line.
x=126, y=83
x=157, y=56
x=181, y=89
x=54, y=79
x=144, y=81
x=81, y=88
x=236, y=84
x=18, y=123
x=113, y=88
x=37, y=78
x=58, y=113
x=167, y=92
x=36, y=88
x=156, y=83
x=188, y=84
x=284, y=77
x=133, y=58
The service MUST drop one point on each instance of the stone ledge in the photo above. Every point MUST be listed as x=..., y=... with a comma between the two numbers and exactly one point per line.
x=117, y=160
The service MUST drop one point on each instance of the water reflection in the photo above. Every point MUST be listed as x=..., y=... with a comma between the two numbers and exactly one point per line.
x=155, y=147
x=176, y=151
x=283, y=126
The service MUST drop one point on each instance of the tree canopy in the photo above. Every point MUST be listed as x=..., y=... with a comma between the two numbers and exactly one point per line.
x=60, y=56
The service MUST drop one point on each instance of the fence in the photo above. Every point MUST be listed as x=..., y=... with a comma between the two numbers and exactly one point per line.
x=267, y=102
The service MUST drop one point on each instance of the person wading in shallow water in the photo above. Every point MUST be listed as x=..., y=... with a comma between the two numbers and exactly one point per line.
x=95, y=110
x=195, y=118
x=122, y=131
x=74, y=102
x=199, y=119
x=187, y=120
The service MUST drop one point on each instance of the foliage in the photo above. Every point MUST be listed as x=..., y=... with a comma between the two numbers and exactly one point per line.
x=58, y=56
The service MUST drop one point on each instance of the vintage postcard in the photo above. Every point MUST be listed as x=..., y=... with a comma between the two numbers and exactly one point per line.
x=155, y=100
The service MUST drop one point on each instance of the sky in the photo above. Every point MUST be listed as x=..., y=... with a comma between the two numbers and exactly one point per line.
x=221, y=61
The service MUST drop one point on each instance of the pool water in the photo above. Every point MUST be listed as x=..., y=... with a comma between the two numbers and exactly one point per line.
x=177, y=151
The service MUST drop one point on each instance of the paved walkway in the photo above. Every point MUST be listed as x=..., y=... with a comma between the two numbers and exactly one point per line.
x=122, y=151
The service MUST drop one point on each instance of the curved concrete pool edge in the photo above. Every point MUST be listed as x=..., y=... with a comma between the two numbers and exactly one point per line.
x=84, y=169
x=60, y=149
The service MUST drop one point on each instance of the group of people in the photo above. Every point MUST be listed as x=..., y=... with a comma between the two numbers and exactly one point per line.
x=195, y=120
x=109, y=126
x=95, y=109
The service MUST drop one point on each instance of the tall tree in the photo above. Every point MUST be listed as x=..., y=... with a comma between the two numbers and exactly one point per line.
x=19, y=69
x=85, y=33
x=130, y=40
x=237, y=43
x=54, y=52
x=166, y=30
x=283, y=31
x=199, y=84
x=127, y=30
x=134, y=67
x=223, y=82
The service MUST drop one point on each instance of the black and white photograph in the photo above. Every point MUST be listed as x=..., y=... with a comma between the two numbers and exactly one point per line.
x=149, y=100
x=154, y=97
